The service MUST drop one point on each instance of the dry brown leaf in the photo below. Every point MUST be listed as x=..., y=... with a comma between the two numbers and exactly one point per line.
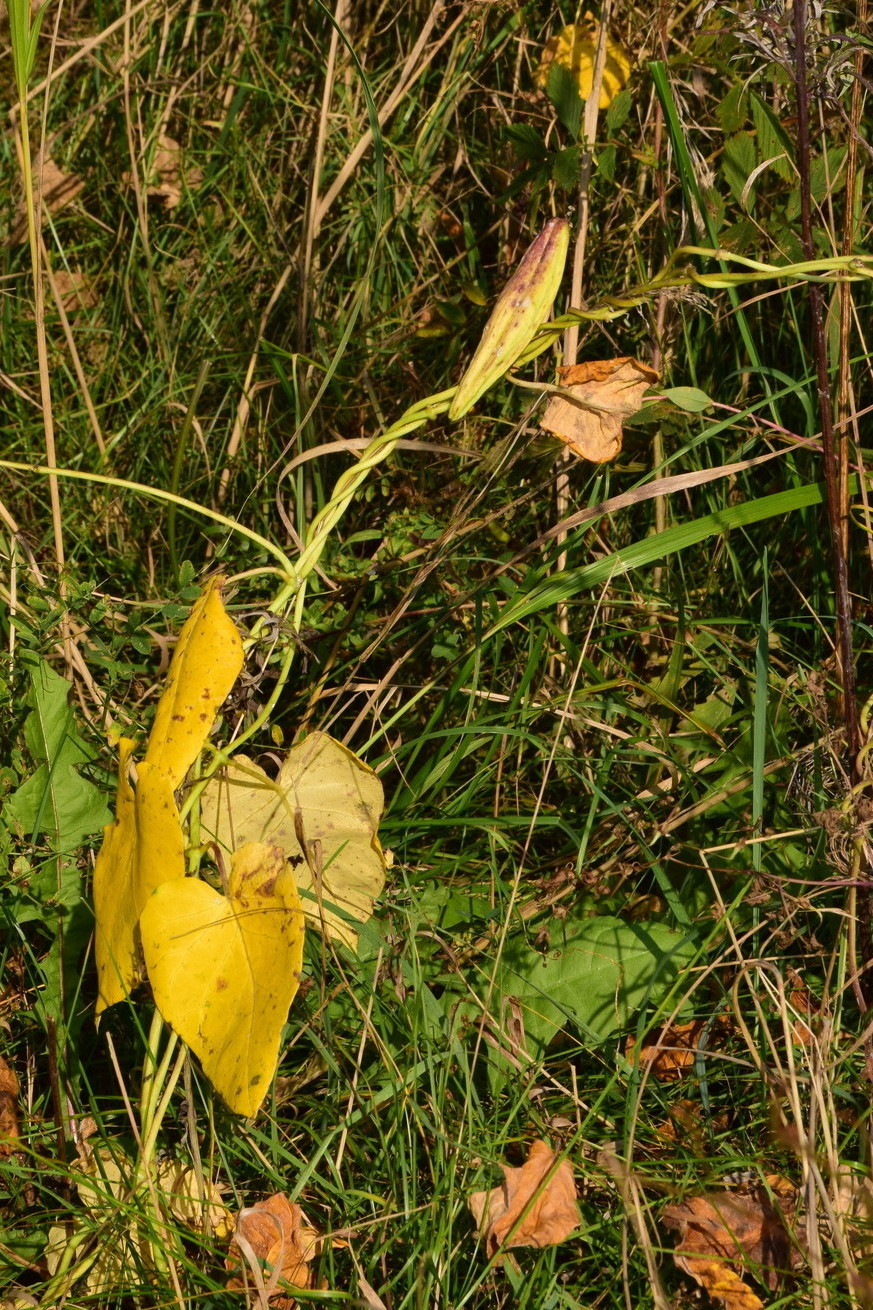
x=605, y=392
x=671, y=1051
x=803, y=1006
x=722, y=1234
x=282, y=1241
x=165, y=178
x=854, y=1203
x=76, y=290
x=371, y=1298
x=546, y=1200
x=57, y=190
x=8, y=1111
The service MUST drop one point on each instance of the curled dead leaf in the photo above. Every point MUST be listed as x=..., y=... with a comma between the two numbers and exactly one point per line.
x=198, y=1207
x=166, y=178
x=8, y=1111
x=276, y=1243
x=56, y=190
x=534, y=1206
x=671, y=1051
x=723, y=1235
x=602, y=394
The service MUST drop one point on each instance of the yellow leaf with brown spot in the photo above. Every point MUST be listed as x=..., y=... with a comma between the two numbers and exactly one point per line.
x=205, y=665
x=225, y=969
x=323, y=809
x=142, y=848
x=601, y=395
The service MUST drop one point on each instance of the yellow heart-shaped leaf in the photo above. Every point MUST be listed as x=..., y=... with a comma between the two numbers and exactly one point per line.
x=205, y=665
x=575, y=48
x=323, y=810
x=225, y=969
x=142, y=848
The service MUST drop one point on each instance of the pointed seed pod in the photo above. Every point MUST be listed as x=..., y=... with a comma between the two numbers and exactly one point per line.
x=524, y=305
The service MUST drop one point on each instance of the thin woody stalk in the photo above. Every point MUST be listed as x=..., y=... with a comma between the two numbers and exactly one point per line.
x=837, y=511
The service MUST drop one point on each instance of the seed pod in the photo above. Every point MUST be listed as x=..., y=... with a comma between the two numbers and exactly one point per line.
x=524, y=305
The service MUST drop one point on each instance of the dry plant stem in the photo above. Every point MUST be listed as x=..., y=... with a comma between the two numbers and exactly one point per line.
x=33, y=205
x=74, y=353
x=845, y=406
x=139, y=195
x=311, y=223
x=837, y=510
x=243, y=409
x=836, y=495
x=661, y=312
x=571, y=336
x=411, y=72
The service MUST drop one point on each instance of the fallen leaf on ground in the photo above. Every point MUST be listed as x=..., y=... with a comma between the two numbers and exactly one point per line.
x=201, y=1210
x=575, y=48
x=57, y=188
x=165, y=177
x=685, y=1124
x=546, y=1200
x=8, y=1111
x=803, y=1006
x=323, y=810
x=605, y=392
x=854, y=1204
x=75, y=290
x=670, y=1052
x=722, y=1234
x=277, y=1236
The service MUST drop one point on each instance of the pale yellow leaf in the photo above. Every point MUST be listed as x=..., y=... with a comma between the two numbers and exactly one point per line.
x=225, y=969
x=324, y=797
x=206, y=663
x=202, y=1210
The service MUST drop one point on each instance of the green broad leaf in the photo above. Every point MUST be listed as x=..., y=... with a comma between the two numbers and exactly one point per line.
x=733, y=110
x=691, y=399
x=527, y=142
x=28, y=1243
x=616, y=114
x=827, y=174
x=738, y=163
x=606, y=163
x=595, y=975
x=774, y=142
x=563, y=91
x=565, y=167
x=56, y=801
